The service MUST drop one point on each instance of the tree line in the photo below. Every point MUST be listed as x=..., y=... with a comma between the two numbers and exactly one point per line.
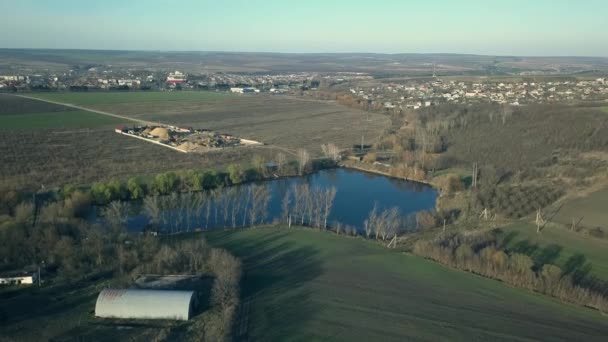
x=485, y=255
x=305, y=205
x=220, y=207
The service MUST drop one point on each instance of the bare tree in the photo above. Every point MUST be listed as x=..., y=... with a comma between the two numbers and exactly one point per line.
x=235, y=206
x=247, y=195
x=317, y=198
x=303, y=160
x=331, y=151
x=285, y=207
x=224, y=202
x=391, y=223
x=297, y=201
x=330, y=195
x=264, y=198
x=116, y=213
x=208, y=202
x=281, y=161
x=259, y=203
x=309, y=203
x=201, y=200
x=191, y=207
x=152, y=209
x=369, y=224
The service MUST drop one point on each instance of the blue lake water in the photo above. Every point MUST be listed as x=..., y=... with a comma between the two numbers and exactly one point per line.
x=356, y=193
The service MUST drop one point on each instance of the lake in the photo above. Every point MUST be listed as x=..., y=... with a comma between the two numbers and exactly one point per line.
x=356, y=193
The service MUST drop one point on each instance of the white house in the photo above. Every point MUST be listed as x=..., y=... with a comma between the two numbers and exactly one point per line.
x=17, y=280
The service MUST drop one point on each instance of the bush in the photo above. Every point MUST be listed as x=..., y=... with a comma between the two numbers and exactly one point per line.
x=136, y=188
x=118, y=190
x=101, y=193
x=165, y=183
x=425, y=220
x=235, y=173
x=192, y=180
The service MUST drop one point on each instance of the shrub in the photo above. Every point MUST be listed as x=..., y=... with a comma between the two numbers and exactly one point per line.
x=136, y=188
x=165, y=183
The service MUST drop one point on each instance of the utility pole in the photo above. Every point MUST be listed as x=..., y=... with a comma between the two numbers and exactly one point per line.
x=539, y=220
x=475, y=173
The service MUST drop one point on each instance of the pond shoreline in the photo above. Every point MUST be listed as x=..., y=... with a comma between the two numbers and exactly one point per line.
x=353, y=166
x=356, y=193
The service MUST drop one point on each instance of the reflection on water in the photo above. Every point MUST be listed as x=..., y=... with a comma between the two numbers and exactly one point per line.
x=356, y=194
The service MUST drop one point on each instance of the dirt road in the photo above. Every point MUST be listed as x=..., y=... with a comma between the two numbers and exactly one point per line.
x=144, y=122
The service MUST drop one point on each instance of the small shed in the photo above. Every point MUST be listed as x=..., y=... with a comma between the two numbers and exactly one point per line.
x=145, y=304
x=17, y=279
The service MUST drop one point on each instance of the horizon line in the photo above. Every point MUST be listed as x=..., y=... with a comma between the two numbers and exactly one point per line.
x=306, y=53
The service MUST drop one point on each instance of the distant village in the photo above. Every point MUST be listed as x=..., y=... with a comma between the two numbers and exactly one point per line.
x=412, y=94
x=418, y=94
x=101, y=79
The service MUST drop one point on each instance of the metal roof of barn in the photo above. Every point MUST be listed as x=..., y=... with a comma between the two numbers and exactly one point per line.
x=144, y=304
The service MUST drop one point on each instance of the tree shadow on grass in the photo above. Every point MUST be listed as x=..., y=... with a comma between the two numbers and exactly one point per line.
x=540, y=255
x=578, y=268
x=275, y=303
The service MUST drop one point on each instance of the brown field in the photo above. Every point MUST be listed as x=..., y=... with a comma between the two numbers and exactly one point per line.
x=275, y=120
x=56, y=154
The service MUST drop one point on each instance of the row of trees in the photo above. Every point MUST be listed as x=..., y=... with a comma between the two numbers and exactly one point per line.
x=220, y=207
x=307, y=205
x=382, y=224
x=136, y=188
x=484, y=257
x=162, y=184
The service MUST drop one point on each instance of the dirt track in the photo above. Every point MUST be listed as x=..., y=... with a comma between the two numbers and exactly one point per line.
x=91, y=110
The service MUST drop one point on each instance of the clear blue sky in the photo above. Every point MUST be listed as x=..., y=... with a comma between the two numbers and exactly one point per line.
x=513, y=27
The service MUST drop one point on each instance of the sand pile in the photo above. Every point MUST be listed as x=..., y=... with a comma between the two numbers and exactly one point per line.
x=188, y=146
x=160, y=132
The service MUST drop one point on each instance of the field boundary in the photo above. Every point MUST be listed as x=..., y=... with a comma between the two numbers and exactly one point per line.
x=152, y=141
x=152, y=123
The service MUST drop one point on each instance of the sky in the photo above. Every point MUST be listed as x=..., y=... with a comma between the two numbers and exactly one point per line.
x=490, y=27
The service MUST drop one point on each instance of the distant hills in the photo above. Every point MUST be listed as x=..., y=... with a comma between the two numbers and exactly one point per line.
x=19, y=60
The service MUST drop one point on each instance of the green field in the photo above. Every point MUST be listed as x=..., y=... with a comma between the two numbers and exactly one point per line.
x=83, y=98
x=305, y=285
x=556, y=245
x=591, y=210
x=55, y=120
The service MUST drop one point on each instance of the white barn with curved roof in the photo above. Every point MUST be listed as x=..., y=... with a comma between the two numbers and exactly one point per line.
x=144, y=304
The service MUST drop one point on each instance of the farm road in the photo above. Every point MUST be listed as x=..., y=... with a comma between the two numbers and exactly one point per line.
x=90, y=110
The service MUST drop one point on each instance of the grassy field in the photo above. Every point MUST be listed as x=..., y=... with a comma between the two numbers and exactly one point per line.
x=277, y=120
x=55, y=120
x=591, y=210
x=38, y=314
x=305, y=285
x=101, y=98
x=556, y=245
x=44, y=144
